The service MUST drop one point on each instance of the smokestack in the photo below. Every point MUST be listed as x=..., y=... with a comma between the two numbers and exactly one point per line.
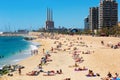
x=47, y=14
x=101, y=0
x=51, y=15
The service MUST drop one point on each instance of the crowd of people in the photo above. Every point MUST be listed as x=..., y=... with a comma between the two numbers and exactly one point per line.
x=72, y=48
x=34, y=52
x=111, y=45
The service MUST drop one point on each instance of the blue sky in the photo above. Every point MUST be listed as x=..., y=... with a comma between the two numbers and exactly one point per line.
x=26, y=14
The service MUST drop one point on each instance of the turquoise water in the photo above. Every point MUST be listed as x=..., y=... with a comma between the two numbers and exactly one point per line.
x=13, y=49
x=12, y=45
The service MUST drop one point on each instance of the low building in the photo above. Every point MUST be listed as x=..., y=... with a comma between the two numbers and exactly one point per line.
x=22, y=32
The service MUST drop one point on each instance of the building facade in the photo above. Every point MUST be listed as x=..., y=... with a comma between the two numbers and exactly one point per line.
x=86, y=23
x=93, y=18
x=108, y=13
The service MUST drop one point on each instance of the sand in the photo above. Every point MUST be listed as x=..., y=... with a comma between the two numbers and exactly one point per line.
x=101, y=60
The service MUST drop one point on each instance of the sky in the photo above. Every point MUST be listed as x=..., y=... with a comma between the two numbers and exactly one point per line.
x=31, y=14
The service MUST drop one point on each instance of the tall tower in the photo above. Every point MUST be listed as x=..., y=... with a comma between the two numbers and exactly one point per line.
x=108, y=13
x=86, y=23
x=49, y=22
x=93, y=18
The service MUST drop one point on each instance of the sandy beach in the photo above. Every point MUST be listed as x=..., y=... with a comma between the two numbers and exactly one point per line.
x=64, y=50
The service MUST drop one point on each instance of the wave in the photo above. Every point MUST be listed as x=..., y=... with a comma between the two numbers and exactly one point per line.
x=21, y=55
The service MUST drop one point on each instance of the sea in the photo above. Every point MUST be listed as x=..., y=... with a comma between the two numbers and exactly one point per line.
x=14, y=49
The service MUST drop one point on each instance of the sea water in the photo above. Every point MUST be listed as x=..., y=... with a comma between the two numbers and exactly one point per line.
x=14, y=49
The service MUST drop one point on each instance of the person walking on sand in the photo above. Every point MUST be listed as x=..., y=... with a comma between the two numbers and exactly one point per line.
x=52, y=49
x=19, y=70
x=43, y=50
x=102, y=42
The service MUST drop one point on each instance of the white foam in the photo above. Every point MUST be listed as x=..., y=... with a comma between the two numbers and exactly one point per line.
x=19, y=56
x=33, y=47
x=17, y=60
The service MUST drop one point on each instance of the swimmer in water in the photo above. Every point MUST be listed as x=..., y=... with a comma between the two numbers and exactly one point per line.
x=1, y=57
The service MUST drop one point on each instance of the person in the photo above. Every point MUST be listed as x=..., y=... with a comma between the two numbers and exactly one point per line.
x=52, y=49
x=48, y=73
x=79, y=69
x=102, y=42
x=90, y=73
x=57, y=72
x=60, y=71
x=43, y=50
x=109, y=75
x=84, y=68
x=116, y=75
x=19, y=70
x=40, y=66
x=67, y=79
x=76, y=65
x=1, y=56
x=81, y=38
x=36, y=52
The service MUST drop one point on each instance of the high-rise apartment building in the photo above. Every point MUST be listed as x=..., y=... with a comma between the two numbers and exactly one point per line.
x=93, y=18
x=108, y=13
x=86, y=23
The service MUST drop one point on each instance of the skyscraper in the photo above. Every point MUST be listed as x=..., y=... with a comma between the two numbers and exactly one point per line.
x=108, y=13
x=86, y=23
x=93, y=18
x=49, y=22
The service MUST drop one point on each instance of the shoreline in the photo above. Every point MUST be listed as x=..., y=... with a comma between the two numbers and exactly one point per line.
x=19, y=56
x=63, y=59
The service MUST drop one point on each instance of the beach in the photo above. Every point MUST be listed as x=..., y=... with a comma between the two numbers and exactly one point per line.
x=64, y=50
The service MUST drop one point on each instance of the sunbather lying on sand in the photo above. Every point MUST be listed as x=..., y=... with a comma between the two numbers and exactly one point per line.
x=67, y=79
x=110, y=77
x=79, y=59
x=80, y=69
x=32, y=73
x=49, y=73
x=106, y=78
